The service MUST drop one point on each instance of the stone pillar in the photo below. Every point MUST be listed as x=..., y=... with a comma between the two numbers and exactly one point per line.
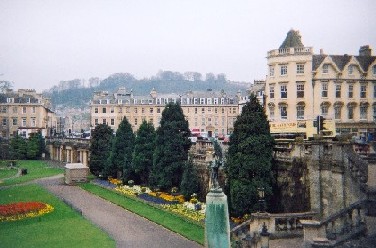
x=312, y=231
x=217, y=226
x=84, y=158
x=314, y=175
x=74, y=155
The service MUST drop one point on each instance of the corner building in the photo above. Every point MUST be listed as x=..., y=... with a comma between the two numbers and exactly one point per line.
x=301, y=85
x=24, y=112
x=209, y=113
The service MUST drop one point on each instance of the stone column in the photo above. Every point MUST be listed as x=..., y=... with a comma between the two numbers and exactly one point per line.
x=217, y=226
x=84, y=158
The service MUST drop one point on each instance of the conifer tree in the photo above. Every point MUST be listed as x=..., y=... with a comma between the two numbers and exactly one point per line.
x=17, y=147
x=121, y=152
x=143, y=152
x=190, y=182
x=100, y=148
x=171, y=148
x=32, y=147
x=249, y=157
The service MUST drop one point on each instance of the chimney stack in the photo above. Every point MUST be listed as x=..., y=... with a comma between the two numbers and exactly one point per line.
x=365, y=51
x=321, y=51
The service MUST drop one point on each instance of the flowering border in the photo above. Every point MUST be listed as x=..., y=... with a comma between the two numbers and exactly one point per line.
x=22, y=210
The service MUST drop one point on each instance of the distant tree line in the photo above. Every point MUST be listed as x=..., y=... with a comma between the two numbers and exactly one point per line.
x=77, y=93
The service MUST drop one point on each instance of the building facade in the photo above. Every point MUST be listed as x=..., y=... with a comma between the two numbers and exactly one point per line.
x=211, y=113
x=24, y=112
x=301, y=85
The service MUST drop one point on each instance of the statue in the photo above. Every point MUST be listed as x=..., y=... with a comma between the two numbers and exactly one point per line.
x=214, y=174
x=214, y=165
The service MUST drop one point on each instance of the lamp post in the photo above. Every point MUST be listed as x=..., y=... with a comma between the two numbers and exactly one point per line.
x=261, y=195
x=264, y=237
x=247, y=240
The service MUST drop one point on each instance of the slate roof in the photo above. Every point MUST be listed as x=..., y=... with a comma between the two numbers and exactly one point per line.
x=293, y=39
x=365, y=61
x=317, y=60
x=342, y=60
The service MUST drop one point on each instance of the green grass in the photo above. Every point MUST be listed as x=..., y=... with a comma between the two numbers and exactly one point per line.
x=63, y=227
x=35, y=169
x=173, y=222
x=6, y=172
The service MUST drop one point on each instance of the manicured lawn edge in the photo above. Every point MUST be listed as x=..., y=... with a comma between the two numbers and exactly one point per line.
x=6, y=173
x=63, y=227
x=169, y=220
x=35, y=169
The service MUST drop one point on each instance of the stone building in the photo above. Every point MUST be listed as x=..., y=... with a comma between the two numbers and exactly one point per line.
x=25, y=112
x=301, y=85
x=208, y=113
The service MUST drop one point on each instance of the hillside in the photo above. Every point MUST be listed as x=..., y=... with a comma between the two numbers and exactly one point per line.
x=74, y=94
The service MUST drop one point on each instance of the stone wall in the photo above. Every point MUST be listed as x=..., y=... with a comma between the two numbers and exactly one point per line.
x=321, y=176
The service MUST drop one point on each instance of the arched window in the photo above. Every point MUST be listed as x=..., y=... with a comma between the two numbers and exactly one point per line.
x=300, y=110
x=325, y=108
x=350, y=110
x=338, y=110
x=271, y=107
x=283, y=110
x=363, y=109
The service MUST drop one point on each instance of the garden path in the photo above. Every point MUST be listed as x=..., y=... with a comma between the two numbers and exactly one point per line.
x=126, y=228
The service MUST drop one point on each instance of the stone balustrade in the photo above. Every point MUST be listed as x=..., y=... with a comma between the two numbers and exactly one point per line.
x=284, y=225
x=337, y=228
x=290, y=51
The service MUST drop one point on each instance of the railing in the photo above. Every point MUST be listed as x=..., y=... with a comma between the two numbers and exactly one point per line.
x=337, y=228
x=358, y=168
x=284, y=156
x=69, y=140
x=290, y=51
x=279, y=225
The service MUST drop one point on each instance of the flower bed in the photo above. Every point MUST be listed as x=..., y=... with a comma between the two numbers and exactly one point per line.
x=187, y=210
x=168, y=197
x=154, y=199
x=193, y=210
x=104, y=183
x=22, y=210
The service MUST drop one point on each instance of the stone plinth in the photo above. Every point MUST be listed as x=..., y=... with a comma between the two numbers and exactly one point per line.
x=75, y=173
x=217, y=226
x=312, y=231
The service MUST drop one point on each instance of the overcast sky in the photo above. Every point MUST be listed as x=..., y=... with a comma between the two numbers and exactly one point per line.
x=43, y=42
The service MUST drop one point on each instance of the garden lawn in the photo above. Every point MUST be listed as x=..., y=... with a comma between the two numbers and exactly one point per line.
x=35, y=169
x=172, y=222
x=6, y=172
x=63, y=227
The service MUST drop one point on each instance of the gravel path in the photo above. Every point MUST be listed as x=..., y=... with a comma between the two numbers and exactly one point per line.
x=126, y=228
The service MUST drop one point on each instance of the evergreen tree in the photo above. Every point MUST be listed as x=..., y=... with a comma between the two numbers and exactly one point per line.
x=143, y=152
x=17, y=148
x=248, y=164
x=100, y=148
x=121, y=152
x=32, y=147
x=171, y=148
x=41, y=145
x=190, y=182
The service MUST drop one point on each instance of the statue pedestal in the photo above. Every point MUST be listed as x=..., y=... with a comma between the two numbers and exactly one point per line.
x=217, y=225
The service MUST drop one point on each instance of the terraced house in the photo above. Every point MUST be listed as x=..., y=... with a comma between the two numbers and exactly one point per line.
x=302, y=85
x=24, y=112
x=208, y=113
